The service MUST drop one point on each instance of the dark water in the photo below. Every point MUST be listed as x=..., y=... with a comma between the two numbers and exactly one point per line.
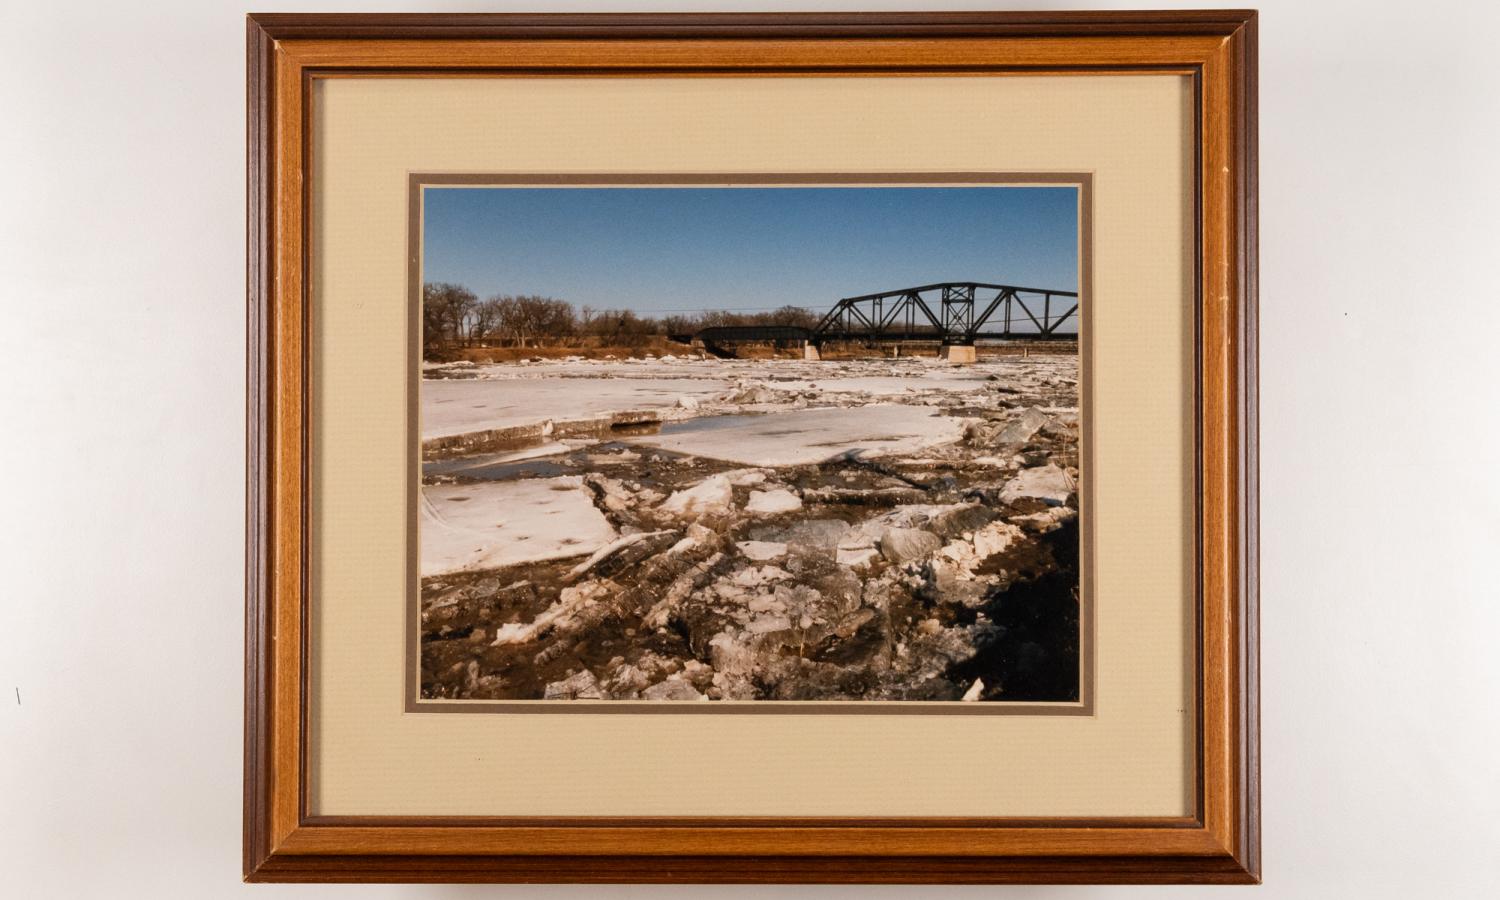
x=1035, y=654
x=706, y=423
x=595, y=457
x=477, y=469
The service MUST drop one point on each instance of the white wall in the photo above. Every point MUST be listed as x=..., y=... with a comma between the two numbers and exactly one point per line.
x=120, y=425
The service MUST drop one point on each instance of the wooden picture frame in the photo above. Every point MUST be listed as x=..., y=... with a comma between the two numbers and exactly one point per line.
x=1219, y=843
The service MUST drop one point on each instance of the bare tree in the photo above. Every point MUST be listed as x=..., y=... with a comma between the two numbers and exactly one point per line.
x=446, y=310
x=798, y=316
x=531, y=318
x=719, y=318
x=545, y=316
x=452, y=315
x=679, y=324
x=485, y=320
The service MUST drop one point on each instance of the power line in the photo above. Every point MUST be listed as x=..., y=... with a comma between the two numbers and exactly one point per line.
x=700, y=309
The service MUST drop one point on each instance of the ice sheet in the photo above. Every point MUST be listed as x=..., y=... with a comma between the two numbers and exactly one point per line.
x=492, y=397
x=808, y=436
x=491, y=524
x=453, y=407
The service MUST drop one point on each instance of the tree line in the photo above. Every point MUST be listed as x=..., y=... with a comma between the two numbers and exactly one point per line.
x=454, y=316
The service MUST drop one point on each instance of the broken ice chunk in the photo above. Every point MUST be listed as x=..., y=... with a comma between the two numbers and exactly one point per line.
x=770, y=503
x=581, y=686
x=901, y=545
x=1047, y=483
x=712, y=495
x=761, y=551
x=857, y=558
x=672, y=689
x=1022, y=428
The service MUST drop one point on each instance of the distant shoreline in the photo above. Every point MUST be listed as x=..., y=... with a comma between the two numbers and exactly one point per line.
x=657, y=346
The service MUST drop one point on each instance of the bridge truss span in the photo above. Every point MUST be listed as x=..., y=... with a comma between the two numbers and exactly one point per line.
x=953, y=313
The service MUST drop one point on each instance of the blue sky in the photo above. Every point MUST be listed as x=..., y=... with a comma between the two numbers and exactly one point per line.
x=665, y=250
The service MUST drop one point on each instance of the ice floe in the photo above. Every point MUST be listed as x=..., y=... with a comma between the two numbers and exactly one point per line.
x=490, y=524
x=452, y=407
x=808, y=436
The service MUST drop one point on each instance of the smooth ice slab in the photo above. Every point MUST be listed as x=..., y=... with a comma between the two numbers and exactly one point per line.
x=491, y=524
x=464, y=406
x=808, y=436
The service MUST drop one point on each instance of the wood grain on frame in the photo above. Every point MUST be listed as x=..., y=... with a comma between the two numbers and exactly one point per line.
x=1218, y=845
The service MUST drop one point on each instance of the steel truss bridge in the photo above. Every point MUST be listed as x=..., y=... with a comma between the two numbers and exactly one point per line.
x=953, y=313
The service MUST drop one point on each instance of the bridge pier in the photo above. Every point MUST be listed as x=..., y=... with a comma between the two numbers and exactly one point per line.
x=810, y=351
x=959, y=354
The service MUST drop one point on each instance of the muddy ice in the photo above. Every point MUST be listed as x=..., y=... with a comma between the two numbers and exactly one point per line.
x=703, y=530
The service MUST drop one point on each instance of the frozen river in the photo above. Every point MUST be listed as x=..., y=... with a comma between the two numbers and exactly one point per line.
x=683, y=529
x=474, y=398
x=774, y=413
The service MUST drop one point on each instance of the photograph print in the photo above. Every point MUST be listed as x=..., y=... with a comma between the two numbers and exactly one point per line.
x=750, y=442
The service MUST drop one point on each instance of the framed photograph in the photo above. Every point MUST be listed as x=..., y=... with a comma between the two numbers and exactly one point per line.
x=795, y=447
